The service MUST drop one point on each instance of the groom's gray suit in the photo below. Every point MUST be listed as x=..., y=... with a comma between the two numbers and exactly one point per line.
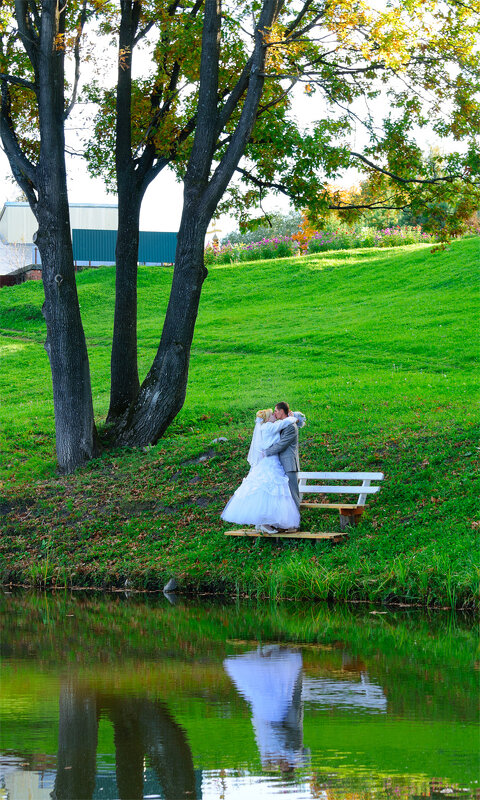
x=287, y=451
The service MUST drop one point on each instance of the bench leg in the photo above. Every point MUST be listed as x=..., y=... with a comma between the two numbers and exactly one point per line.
x=349, y=517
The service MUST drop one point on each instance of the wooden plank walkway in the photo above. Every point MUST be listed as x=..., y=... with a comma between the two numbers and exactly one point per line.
x=286, y=535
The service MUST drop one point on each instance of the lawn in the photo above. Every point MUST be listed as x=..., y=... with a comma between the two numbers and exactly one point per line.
x=378, y=348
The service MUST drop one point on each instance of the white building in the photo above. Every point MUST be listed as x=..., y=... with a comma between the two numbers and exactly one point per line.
x=18, y=223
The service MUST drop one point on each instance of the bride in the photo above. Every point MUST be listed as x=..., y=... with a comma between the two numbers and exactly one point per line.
x=263, y=498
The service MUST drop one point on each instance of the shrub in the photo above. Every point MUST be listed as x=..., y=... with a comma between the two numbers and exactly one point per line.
x=332, y=237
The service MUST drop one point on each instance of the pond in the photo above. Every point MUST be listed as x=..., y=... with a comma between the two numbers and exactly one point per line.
x=116, y=696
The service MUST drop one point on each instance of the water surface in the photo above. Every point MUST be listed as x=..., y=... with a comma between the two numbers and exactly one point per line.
x=133, y=697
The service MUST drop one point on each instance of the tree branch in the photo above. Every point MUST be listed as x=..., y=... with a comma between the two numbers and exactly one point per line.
x=28, y=36
x=229, y=162
x=23, y=170
x=143, y=32
x=374, y=205
x=379, y=206
x=276, y=100
x=296, y=22
x=36, y=16
x=295, y=35
x=76, y=51
x=265, y=184
x=152, y=169
x=234, y=97
x=205, y=135
x=398, y=178
x=18, y=81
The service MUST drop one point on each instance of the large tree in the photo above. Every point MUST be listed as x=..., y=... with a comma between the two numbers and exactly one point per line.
x=219, y=103
x=32, y=77
x=162, y=393
x=138, y=159
x=141, y=127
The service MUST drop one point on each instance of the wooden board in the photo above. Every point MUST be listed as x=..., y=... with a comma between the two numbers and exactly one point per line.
x=285, y=535
x=341, y=476
x=350, y=506
x=321, y=489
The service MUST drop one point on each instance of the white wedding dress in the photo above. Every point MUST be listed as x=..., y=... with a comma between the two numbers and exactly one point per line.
x=263, y=497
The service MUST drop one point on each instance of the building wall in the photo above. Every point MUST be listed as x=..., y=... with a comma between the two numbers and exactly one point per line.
x=99, y=217
x=20, y=276
x=15, y=256
x=18, y=224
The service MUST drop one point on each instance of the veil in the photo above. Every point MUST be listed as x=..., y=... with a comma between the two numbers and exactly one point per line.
x=255, y=451
x=257, y=444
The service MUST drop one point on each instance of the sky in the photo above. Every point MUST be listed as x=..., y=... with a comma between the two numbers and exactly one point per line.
x=161, y=207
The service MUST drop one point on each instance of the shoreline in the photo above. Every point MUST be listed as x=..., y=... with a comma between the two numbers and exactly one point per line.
x=470, y=610
x=130, y=521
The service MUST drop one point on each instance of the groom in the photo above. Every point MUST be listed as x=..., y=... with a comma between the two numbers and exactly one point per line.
x=287, y=450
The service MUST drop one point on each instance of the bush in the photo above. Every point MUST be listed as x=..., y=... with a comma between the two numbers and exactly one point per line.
x=395, y=237
x=280, y=225
x=332, y=237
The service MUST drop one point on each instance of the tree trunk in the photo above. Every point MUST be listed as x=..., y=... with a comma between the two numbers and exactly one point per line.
x=45, y=184
x=123, y=366
x=65, y=345
x=124, y=370
x=163, y=391
x=77, y=744
x=162, y=394
x=76, y=440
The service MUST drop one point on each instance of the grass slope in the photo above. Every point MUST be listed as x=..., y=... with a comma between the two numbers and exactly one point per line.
x=377, y=347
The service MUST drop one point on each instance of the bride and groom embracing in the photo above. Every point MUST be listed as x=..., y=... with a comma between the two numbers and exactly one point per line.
x=268, y=497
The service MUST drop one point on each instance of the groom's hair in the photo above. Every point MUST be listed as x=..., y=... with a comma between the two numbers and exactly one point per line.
x=284, y=406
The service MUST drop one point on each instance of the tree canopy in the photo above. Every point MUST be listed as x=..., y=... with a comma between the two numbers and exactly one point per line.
x=384, y=77
x=219, y=102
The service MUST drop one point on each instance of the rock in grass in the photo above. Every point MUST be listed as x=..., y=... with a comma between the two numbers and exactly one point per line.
x=171, y=586
x=220, y=439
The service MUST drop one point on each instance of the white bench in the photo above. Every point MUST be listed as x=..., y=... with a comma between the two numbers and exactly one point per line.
x=320, y=483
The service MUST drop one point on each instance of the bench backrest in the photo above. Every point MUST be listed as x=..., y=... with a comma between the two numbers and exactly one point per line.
x=344, y=487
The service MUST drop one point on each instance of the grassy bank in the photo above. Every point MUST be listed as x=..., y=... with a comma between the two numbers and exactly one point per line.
x=377, y=347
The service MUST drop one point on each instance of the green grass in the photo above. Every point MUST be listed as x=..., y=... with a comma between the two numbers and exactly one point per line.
x=378, y=347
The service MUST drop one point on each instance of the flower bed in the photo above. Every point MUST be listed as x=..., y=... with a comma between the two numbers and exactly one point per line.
x=340, y=238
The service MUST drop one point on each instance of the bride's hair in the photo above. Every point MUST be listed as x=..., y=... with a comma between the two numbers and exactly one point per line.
x=264, y=413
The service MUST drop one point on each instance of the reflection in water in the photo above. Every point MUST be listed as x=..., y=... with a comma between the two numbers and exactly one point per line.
x=270, y=678
x=77, y=745
x=363, y=695
x=117, y=698
x=143, y=728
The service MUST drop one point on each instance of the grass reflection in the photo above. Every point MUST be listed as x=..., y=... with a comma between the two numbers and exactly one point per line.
x=129, y=668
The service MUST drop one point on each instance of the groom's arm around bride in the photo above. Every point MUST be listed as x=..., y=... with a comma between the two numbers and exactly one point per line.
x=287, y=451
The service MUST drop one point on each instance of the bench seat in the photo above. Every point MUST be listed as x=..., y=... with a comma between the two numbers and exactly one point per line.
x=321, y=483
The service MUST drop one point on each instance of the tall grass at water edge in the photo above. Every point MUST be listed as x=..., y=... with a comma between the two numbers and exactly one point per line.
x=378, y=347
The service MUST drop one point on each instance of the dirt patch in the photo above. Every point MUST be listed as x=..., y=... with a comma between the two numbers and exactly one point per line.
x=201, y=502
x=19, y=506
x=206, y=456
x=138, y=508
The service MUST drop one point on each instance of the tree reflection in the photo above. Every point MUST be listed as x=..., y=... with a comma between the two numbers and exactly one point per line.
x=77, y=744
x=143, y=729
